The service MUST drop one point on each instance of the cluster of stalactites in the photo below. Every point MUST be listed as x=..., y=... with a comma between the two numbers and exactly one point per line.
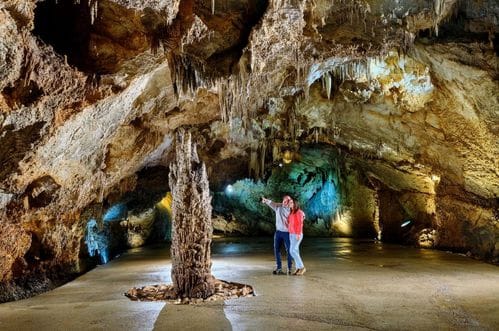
x=334, y=75
x=233, y=93
x=276, y=148
x=188, y=75
x=94, y=7
x=256, y=167
x=357, y=10
x=235, y=97
x=242, y=95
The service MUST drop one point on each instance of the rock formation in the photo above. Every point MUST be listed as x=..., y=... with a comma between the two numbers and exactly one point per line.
x=404, y=92
x=191, y=222
x=191, y=235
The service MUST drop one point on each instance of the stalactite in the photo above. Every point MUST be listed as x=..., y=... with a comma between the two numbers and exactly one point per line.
x=254, y=163
x=442, y=9
x=212, y=7
x=93, y=5
x=291, y=124
x=263, y=151
x=376, y=222
x=438, y=7
x=276, y=151
x=327, y=77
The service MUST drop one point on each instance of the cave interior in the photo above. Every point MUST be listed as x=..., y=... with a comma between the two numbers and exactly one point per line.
x=380, y=117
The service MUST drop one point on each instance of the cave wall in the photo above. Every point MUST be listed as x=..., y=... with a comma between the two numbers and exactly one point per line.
x=406, y=90
x=361, y=206
x=467, y=227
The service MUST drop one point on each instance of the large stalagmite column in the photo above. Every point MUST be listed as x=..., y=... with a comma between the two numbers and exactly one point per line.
x=191, y=222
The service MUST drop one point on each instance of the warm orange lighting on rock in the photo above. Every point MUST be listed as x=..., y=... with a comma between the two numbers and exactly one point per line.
x=287, y=157
x=166, y=202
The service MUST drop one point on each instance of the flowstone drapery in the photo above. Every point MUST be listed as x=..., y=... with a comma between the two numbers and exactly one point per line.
x=191, y=235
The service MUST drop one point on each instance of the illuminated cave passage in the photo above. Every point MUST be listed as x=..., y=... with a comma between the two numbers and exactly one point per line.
x=340, y=195
x=333, y=200
x=139, y=218
x=379, y=117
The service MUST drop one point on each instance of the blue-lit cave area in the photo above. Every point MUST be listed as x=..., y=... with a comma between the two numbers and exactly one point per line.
x=318, y=177
x=135, y=219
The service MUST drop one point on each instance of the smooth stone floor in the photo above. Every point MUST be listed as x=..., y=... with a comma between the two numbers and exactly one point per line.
x=349, y=285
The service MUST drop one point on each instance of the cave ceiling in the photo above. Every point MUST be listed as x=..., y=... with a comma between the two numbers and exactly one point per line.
x=92, y=91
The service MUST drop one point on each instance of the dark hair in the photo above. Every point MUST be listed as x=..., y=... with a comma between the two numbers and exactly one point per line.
x=296, y=205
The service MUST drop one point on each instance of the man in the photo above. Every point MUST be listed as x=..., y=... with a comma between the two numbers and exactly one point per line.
x=282, y=233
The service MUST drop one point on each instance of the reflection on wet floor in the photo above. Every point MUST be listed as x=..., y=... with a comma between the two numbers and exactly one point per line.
x=319, y=247
x=322, y=246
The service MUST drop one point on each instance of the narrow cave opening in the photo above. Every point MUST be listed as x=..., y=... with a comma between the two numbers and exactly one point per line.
x=66, y=26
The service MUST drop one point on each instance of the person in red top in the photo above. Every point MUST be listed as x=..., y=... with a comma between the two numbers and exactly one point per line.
x=295, y=226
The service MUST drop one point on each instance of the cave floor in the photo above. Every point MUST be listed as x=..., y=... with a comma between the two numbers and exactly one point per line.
x=349, y=285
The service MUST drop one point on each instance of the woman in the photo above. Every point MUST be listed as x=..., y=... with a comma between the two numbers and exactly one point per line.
x=295, y=225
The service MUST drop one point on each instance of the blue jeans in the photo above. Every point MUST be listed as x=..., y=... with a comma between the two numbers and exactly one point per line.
x=279, y=238
x=295, y=250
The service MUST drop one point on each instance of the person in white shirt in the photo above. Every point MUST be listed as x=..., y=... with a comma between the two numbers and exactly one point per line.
x=281, y=235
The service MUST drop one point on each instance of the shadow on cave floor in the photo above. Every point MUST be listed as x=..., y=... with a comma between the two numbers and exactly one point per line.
x=349, y=284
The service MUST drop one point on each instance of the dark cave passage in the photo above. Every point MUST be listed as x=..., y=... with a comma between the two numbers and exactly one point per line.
x=66, y=25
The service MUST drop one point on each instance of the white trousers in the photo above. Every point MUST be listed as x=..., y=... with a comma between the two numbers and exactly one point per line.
x=295, y=249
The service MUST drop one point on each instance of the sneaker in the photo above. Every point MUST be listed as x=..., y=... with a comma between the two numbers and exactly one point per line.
x=296, y=272
x=301, y=271
x=278, y=272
